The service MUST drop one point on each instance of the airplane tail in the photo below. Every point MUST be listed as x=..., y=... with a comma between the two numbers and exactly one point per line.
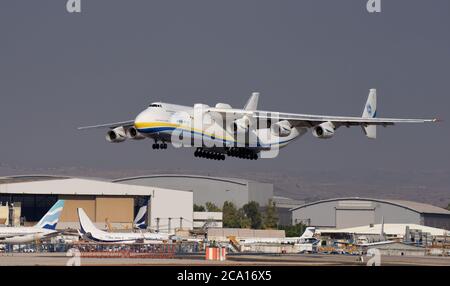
x=252, y=103
x=50, y=219
x=140, y=222
x=370, y=111
x=309, y=232
x=85, y=223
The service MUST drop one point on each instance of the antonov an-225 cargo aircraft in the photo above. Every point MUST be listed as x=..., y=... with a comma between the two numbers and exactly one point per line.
x=245, y=133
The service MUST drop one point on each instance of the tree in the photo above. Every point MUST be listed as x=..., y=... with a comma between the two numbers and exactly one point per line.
x=293, y=230
x=270, y=215
x=244, y=221
x=211, y=207
x=199, y=208
x=231, y=217
x=448, y=206
x=251, y=211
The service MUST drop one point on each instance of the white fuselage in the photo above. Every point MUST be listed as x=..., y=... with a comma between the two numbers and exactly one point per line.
x=286, y=240
x=90, y=231
x=125, y=237
x=16, y=235
x=166, y=122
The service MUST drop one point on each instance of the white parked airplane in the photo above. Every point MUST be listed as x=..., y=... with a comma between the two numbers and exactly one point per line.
x=89, y=230
x=45, y=228
x=245, y=133
x=306, y=238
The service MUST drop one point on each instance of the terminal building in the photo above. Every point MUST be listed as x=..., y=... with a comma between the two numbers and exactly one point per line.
x=352, y=212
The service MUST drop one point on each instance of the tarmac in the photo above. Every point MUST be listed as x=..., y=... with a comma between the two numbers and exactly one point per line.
x=60, y=259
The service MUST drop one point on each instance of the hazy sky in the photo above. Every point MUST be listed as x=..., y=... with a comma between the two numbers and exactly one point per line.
x=60, y=70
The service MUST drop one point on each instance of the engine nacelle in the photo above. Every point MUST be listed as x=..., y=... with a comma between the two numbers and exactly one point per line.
x=242, y=125
x=132, y=133
x=324, y=130
x=282, y=128
x=223, y=106
x=116, y=135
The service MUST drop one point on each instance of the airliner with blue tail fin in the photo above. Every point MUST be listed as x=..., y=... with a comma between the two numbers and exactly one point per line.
x=45, y=228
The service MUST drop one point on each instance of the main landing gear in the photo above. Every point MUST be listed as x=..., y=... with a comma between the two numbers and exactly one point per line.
x=209, y=154
x=241, y=153
x=159, y=146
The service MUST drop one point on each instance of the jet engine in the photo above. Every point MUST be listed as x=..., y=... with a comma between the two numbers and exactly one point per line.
x=132, y=133
x=242, y=125
x=223, y=106
x=282, y=128
x=324, y=130
x=116, y=135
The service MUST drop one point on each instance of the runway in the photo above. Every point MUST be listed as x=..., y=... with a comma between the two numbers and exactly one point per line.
x=59, y=259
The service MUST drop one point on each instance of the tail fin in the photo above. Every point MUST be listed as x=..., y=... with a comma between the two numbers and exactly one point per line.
x=309, y=232
x=50, y=219
x=85, y=223
x=140, y=221
x=370, y=111
x=252, y=103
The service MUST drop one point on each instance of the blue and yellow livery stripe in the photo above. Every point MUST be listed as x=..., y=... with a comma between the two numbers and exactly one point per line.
x=154, y=127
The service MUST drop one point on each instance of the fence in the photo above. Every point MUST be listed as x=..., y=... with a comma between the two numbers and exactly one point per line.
x=100, y=250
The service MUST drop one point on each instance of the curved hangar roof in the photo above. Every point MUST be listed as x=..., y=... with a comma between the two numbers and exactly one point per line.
x=60, y=185
x=413, y=206
x=208, y=189
x=199, y=177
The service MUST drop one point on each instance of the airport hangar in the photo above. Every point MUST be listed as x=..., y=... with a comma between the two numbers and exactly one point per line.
x=103, y=201
x=218, y=190
x=354, y=211
x=171, y=198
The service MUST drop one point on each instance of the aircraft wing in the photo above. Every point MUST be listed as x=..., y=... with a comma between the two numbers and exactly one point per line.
x=377, y=243
x=109, y=125
x=309, y=120
x=306, y=120
x=3, y=237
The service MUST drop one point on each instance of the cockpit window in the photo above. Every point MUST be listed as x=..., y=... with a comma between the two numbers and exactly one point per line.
x=155, y=105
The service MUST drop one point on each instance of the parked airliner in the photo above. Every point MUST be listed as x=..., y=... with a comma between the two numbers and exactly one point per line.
x=90, y=231
x=306, y=238
x=246, y=133
x=45, y=228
